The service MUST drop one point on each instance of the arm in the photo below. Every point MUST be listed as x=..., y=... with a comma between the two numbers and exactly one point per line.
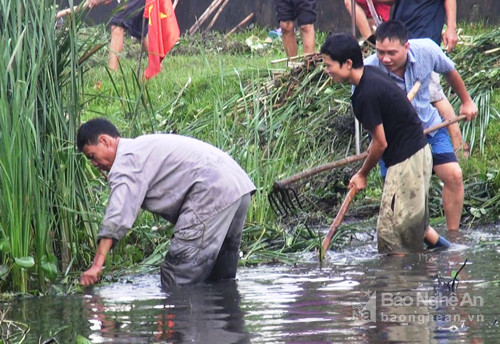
x=375, y=151
x=91, y=275
x=93, y=3
x=450, y=38
x=468, y=107
x=127, y=194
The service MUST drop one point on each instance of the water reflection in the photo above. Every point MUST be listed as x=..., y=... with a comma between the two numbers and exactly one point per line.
x=357, y=296
x=208, y=313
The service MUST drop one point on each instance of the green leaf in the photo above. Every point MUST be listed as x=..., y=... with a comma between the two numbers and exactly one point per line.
x=25, y=262
x=475, y=212
x=49, y=266
x=82, y=340
x=328, y=91
x=4, y=245
x=496, y=181
x=453, y=273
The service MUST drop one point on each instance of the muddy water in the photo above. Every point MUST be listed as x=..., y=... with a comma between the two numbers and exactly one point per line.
x=358, y=296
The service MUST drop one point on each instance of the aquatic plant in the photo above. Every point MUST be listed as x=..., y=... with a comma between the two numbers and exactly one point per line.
x=44, y=191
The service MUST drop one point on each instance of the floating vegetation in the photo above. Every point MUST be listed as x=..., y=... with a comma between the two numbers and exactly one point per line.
x=12, y=331
x=452, y=283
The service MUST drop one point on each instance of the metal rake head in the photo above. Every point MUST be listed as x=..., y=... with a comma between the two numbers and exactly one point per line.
x=284, y=201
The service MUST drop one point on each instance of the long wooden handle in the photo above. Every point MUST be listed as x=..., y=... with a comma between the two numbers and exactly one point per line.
x=338, y=219
x=331, y=165
x=444, y=124
x=352, y=192
x=414, y=90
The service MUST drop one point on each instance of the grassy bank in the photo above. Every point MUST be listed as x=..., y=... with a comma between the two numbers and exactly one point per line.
x=277, y=121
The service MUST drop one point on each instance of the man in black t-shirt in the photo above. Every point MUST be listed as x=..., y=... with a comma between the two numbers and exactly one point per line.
x=397, y=136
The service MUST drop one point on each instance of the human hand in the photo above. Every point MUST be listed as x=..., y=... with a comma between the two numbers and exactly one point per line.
x=357, y=181
x=469, y=109
x=90, y=276
x=450, y=39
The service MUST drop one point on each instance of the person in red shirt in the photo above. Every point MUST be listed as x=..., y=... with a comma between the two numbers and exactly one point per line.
x=364, y=19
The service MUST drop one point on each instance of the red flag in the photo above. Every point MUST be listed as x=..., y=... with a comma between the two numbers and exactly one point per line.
x=163, y=33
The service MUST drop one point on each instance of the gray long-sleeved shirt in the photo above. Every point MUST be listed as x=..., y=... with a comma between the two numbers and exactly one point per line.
x=182, y=179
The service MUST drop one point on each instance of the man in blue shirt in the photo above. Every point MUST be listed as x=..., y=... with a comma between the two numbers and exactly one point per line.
x=405, y=62
x=425, y=19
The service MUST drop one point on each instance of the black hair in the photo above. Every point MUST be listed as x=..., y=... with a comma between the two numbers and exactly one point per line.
x=342, y=47
x=89, y=132
x=392, y=30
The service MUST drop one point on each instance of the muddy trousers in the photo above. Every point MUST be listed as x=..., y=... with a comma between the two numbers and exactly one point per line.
x=207, y=251
x=404, y=212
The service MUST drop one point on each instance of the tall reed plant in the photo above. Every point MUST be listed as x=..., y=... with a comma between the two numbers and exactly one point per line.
x=44, y=224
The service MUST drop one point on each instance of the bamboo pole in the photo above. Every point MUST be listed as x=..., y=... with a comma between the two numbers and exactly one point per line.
x=241, y=24
x=286, y=59
x=210, y=9
x=221, y=8
x=357, y=131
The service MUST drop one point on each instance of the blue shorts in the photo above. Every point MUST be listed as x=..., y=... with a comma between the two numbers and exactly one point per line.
x=129, y=15
x=442, y=150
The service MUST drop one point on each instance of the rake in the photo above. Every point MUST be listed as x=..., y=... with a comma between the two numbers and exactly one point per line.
x=283, y=198
x=352, y=192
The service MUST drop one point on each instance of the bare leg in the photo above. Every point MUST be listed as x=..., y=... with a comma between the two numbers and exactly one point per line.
x=431, y=236
x=453, y=193
x=288, y=37
x=361, y=20
x=308, y=38
x=116, y=46
x=448, y=113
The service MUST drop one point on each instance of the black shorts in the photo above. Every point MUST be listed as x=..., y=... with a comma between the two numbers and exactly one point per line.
x=302, y=10
x=129, y=16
